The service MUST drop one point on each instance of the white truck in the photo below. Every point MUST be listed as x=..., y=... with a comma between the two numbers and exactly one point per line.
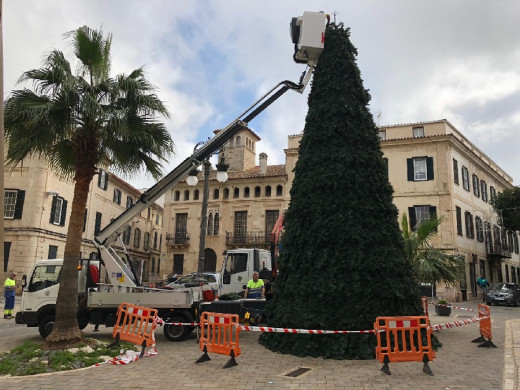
x=98, y=300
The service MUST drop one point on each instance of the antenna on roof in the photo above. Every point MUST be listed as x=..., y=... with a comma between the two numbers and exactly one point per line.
x=378, y=118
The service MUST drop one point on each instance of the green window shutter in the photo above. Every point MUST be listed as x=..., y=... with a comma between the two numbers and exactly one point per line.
x=433, y=213
x=18, y=207
x=429, y=168
x=413, y=220
x=53, y=209
x=409, y=164
x=63, y=212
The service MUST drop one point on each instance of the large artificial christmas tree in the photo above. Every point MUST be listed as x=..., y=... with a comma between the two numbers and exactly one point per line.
x=342, y=262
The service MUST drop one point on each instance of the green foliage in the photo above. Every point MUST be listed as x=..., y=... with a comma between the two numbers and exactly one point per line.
x=507, y=205
x=343, y=261
x=430, y=264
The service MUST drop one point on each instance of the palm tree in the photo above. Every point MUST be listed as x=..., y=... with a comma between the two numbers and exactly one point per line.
x=74, y=121
x=430, y=264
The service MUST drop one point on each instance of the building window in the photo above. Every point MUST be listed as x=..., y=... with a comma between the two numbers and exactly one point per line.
x=418, y=132
x=97, y=224
x=216, y=224
x=13, y=203
x=483, y=190
x=236, y=193
x=129, y=202
x=510, y=240
x=420, y=168
x=515, y=242
x=470, y=231
x=459, y=220
x=153, y=265
x=226, y=193
x=103, y=179
x=279, y=190
x=178, y=264
x=382, y=135
x=246, y=192
x=157, y=218
x=271, y=216
x=181, y=231
x=492, y=193
x=117, y=196
x=146, y=241
x=257, y=191
x=177, y=196
x=240, y=232
x=196, y=195
x=53, y=252
x=465, y=178
x=476, y=185
x=216, y=193
x=155, y=240
x=187, y=195
x=126, y=235
x=210, y=224
x=480, y=229
x=58, y=211
x=419, y=213
x=137, y=237
x=268, y=191
x=455, y=171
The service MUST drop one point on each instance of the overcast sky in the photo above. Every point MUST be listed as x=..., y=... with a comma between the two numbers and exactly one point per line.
x=421, y=60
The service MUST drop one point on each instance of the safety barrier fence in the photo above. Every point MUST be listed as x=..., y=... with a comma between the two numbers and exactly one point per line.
x=484, y=314
x=220, y=334
x=135, y=324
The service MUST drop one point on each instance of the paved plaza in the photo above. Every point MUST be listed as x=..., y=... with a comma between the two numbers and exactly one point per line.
x=460, y=364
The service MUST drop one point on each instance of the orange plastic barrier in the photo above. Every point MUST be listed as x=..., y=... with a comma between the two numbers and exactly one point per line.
x=424, y=301
x=485, y=338
x=219, y=334
x=404, y=339
x=135, y=324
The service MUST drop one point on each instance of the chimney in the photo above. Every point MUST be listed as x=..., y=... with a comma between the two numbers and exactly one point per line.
x=263, y=163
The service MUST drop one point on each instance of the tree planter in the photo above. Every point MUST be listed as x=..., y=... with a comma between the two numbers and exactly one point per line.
x=443, y=310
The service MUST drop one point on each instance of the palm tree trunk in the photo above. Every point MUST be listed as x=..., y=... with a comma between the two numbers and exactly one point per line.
x=66, y=329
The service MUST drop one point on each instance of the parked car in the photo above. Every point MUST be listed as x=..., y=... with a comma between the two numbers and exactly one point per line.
x=171, y=278
x=506, y=293
x=196, y=279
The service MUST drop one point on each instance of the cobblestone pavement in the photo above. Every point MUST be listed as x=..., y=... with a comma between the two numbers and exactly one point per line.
x=460, y=364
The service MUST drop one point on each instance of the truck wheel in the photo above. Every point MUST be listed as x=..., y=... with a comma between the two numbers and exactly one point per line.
x=46, y=326
x=83, y=319
x=176, y=332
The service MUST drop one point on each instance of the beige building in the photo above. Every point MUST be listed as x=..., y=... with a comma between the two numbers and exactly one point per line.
x=432, y=167
x=37, y=211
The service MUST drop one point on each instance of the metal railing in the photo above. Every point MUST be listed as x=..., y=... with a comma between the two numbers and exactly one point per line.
x=248, y=238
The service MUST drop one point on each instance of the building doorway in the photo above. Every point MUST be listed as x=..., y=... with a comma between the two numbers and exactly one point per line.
x=473, y=279
x=210, y=260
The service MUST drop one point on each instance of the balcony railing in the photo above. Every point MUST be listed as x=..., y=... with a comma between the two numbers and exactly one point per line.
x=247, y=239
x=497, y=249
x=178, y=239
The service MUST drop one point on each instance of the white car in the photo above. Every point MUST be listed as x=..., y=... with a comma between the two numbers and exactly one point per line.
x=196, y=279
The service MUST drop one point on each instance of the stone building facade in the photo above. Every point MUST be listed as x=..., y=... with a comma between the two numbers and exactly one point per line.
x=433, y=168
x=37, y=210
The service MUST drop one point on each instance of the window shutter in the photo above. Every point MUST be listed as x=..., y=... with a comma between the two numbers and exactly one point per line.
x=63, y=213
x=106, y=181
x=85, y=220
x=18, y=207
x=413, y=220
x=409, y=163
x=53, y=208
x=100, y=173
x=429, y=167
x=433, y=214
x=385, y=160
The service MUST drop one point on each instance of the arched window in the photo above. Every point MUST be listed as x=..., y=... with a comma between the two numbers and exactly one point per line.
x=246, y=192
x=268, y=191
x=257, y=191
x=126, y=235
x=279, y=190
x=146, y=242
x=210, y=224
x=137, y=237
x=236, y=193
x=216, y=224
x=226, y=193
x=237, y=140
x=177, y=196
x=153, y=265
x=187, y=195
x=196, y=195
x=216, y=193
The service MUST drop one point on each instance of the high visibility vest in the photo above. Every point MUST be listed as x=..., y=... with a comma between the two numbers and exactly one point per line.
x=255, y=288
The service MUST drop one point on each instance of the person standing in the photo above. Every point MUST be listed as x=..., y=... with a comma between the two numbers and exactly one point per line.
x=483, y=284
x=9, y=294
x=255, y=287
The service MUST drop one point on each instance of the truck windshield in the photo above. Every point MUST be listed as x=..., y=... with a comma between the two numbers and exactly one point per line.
x=44, y=276
x=236, y=262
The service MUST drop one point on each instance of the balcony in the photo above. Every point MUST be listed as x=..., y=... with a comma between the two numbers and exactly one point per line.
x=178, y=240
x=497, y=250
x=249, y=239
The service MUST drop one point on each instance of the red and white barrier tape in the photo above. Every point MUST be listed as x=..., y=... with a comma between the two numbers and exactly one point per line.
x=456, y=324
x=162, y=322
x=453, y=307
x=300, y=331
x=127, y=357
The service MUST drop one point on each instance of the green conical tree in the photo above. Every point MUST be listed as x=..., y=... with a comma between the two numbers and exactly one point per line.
x=343, y=262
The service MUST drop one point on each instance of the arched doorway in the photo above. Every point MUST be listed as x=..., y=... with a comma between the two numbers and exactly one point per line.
x=210, y=260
